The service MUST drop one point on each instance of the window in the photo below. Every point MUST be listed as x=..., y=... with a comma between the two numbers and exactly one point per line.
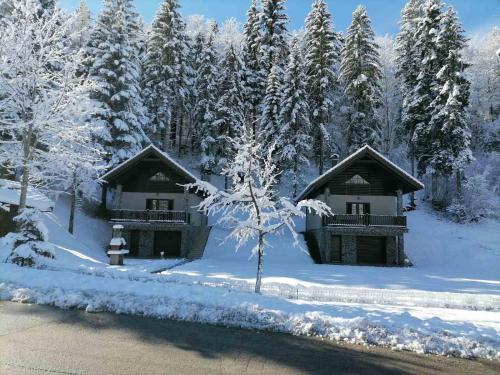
x=159, y=177
x=358, y=208
x=160, y=204
x=357, y=180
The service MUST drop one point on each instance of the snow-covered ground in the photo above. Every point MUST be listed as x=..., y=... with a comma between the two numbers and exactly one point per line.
x=401, y=308
x=455, y=265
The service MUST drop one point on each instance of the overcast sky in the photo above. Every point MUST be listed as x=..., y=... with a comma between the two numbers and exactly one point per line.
x=476, y=15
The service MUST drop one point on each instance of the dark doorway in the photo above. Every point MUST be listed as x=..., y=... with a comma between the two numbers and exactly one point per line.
x=169, y=242
x=135, y=236
x=371, y=250
x=335, y=255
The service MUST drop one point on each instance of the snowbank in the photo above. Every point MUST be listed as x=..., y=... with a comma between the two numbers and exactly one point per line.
x=445, y=332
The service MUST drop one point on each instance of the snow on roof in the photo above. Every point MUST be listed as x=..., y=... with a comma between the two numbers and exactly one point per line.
x=10, y=192
x=163, y=155
x=350, y=159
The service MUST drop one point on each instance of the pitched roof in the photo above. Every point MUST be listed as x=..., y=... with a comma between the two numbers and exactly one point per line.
x=162, y=156
x=412, y=184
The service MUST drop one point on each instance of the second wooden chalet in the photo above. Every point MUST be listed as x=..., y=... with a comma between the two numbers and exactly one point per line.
x=365, y=192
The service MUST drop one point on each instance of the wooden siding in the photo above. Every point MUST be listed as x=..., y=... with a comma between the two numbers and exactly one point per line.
x=137, y=179
x=380, y=181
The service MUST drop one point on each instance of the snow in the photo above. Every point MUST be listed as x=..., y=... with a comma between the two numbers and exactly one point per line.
x=10, y=192
x=447, y=304
x=439, y=331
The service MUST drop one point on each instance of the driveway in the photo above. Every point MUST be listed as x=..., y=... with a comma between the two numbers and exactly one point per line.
x=45, y=340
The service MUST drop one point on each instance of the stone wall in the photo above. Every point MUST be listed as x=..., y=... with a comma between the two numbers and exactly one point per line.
x=394, y=249
x=193, y=239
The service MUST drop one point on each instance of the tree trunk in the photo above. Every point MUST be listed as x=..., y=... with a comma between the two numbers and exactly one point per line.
x=434, y=188
x=260, y=263
x=26, y=171
x=458, y=176
x=72, y=204
x=412, y=161
x=321, y=161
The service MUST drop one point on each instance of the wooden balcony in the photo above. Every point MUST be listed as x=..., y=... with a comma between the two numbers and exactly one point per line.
x=174, y=217
x=365, y=221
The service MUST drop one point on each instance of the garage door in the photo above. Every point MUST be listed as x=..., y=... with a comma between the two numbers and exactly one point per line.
x=371, y=250
x=169, y=242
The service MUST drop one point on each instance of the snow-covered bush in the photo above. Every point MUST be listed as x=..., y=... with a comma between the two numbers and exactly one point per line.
x=481, y=191
x=29, y=243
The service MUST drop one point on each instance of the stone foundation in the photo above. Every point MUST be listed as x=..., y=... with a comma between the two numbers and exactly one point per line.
x=193, y=239
x=394, y=242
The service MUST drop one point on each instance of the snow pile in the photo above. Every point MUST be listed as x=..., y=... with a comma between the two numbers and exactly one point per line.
x=28, y=247
x=462, y=333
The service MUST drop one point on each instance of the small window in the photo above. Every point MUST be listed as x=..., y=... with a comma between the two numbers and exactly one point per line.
x=357, y=180
x=159, y=177
x=160, y=204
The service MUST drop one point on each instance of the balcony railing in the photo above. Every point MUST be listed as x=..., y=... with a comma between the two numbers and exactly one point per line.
x=177, y=217
x=365, y=220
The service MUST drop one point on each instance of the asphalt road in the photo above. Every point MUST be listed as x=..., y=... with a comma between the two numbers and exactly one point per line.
x=45, y=340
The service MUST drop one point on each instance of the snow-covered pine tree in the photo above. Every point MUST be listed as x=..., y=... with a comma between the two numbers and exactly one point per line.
x=417, y=109
x=449, y=121
x=250, y=206
x=294, y=141
x=254, y=81
x=323, y=46
x=230, y=108
x=269, y=121
x=205, y=93
x=407, y=70
x=360, y=74
x=273, y=42
x=390, y=89
x=115, y=68
x=167, y=75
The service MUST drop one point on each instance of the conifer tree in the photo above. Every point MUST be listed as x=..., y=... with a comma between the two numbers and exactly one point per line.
x=167, y=75
x=360, y=74
x=115, y=68
x=230, y=108
x=418, y=104
x=254, y=80
x=294, y=142
x=407, y=70
x=205, y=91
x=273, y=39
x=322, y=58
x=269, y=122
x=449, y=121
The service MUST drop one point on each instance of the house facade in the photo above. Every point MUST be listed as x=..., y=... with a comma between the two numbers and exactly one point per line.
x=365, y=192
x=145, y=195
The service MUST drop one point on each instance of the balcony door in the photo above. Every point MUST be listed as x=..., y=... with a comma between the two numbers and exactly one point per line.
x=160, y=204
x=356, y=208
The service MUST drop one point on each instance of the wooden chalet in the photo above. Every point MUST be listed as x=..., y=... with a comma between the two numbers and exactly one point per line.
x=365, y=192
x=145, y=194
